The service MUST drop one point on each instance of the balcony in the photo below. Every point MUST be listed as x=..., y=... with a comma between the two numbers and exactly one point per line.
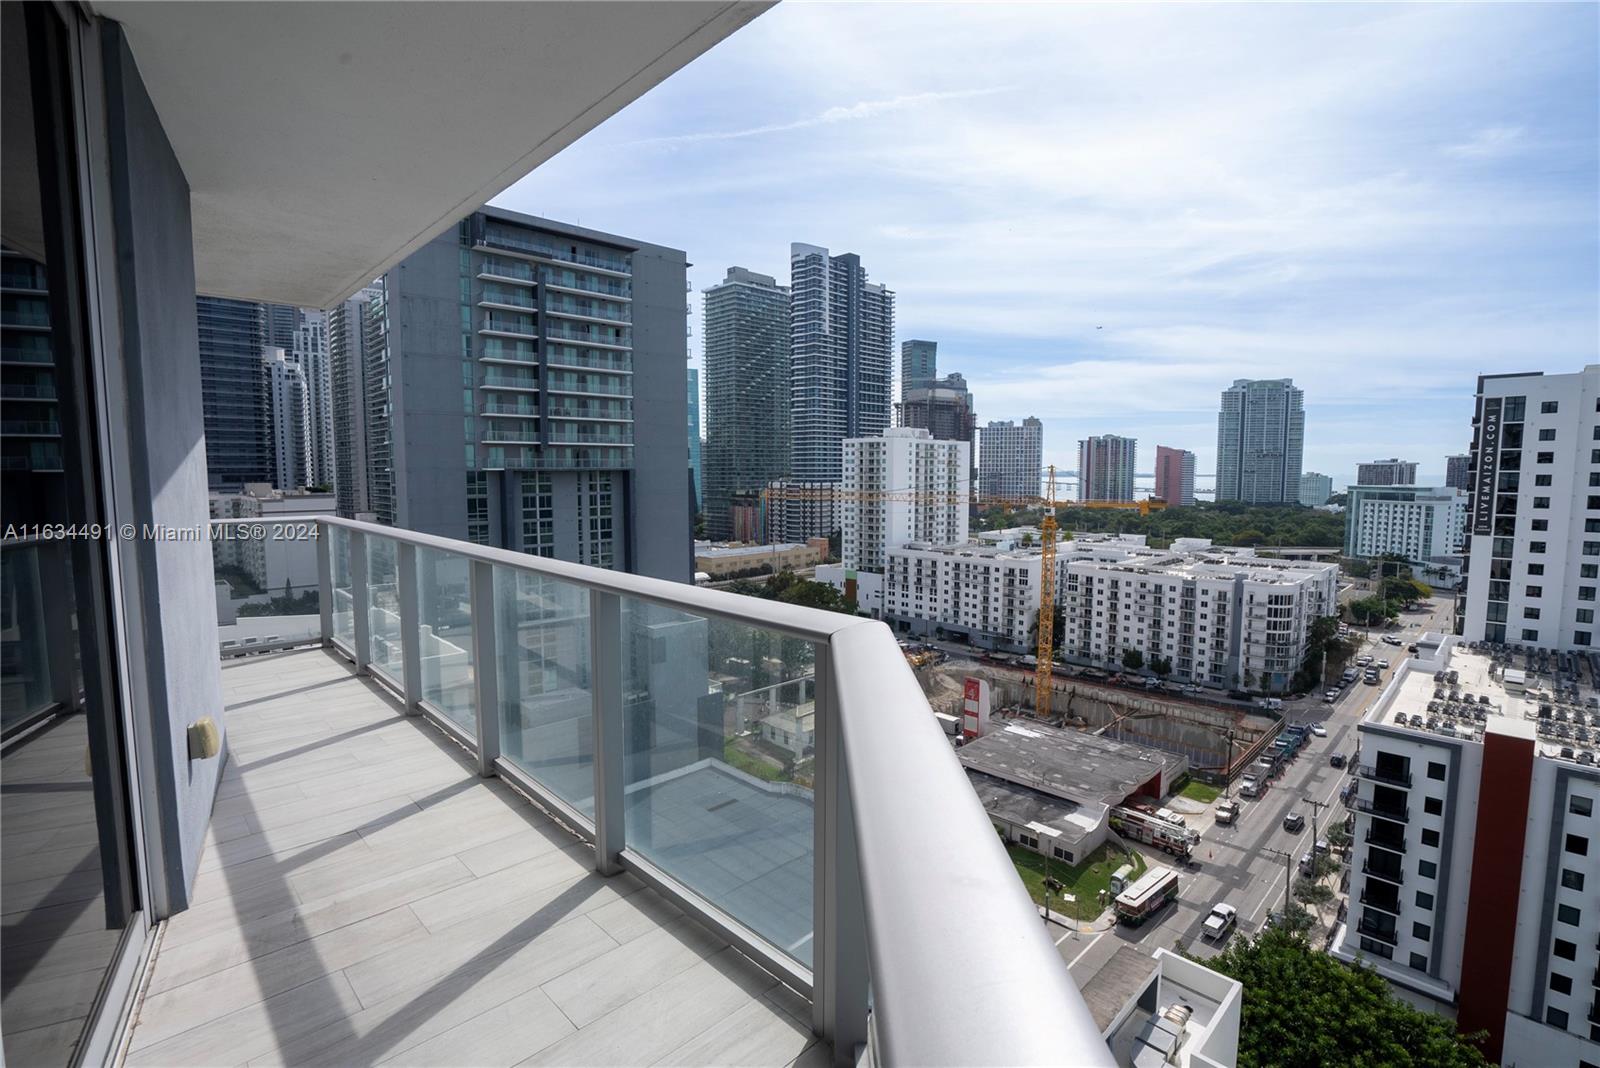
x=1394, y=875
x=1385, y=776
x=1378, y=931
x=415, y=859
x=1400, y=814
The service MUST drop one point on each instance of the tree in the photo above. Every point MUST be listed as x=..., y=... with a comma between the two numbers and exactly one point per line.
x=1303, y=1008
x=1339, y=838
x=1249, y=537
x=1058, y=620
x=1161, y=666
x=1132, y=659
x=835, y=544
x=1313, y=893
x=1372, y=610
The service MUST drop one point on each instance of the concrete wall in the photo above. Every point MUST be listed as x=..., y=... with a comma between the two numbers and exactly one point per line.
x=658, y=499
x=176, y=611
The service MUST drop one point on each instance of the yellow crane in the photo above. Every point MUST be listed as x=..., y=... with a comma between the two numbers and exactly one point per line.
x=1044, y=668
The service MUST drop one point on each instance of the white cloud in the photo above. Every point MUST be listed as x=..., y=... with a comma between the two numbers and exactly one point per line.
x=1492, y=142
x=864, y=109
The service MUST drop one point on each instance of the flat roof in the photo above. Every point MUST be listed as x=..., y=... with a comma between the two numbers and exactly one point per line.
x=1068, y=764
x=1123, y=976
x=1020, y=805
x=713, y=552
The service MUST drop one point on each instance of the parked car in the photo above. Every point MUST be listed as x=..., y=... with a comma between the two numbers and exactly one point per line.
x=1390, y=639
x=1294, y=822
x=1319, y=730
x=1330, y=697
x=1223, y=918
x=1336, y=760
x=1228, y=811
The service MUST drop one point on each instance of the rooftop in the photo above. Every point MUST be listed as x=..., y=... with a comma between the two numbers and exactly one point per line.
x=1022, y=805
x=364, y=895
x=1461, y=690
x=1069, y=764
x=713, y=551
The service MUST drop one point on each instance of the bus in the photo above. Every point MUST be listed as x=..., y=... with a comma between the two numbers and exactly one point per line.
x=1145, y=897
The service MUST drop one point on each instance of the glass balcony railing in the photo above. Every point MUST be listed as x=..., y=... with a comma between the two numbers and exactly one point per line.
x=561, y=278
x=604, y=335
x=740, y=756
x=597, y=386
x=521, y=243
x=599, y=359
x=509, y=324
x=574, y=409
x=268, y=584
x=616, y=313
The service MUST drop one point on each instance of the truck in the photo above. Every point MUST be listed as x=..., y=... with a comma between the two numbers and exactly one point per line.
x=1249, y=786
x=1145, y=897
x=1223, y=918
x=1152, y=830
x=1228, y=811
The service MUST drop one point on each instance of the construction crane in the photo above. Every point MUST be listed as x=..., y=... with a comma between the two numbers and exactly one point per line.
x=1043, y=668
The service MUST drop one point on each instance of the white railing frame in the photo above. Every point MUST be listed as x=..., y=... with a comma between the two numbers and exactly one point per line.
x=917, y=910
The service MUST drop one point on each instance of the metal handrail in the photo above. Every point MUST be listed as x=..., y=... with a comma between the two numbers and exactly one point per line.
x=892, y=850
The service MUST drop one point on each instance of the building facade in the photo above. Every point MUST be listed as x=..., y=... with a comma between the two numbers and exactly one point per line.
x=1315, y=489
x=1175, y=476
x=310, y=354
x=747, y=393
x=1533, y=534
x=286, y=410
x=1458, y=471
x=899, y=487
x=1477, y=851
x=557, y=355
x=1419, y=523
x=943, y=407
x=693, y=401
x=347, y=400
x=986, y=594
x=841, y=363
x=1260, y=441
x=1009, y=458
x=1106, y=468
x=1218, y=617
x=919, y=364
x=233, y=388
x=32, y=463
x=1391, y=472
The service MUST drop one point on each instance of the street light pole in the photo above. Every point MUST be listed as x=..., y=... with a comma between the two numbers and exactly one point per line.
x=1288, y=875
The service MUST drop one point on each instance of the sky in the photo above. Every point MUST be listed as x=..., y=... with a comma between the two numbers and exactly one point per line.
x=1106, y=214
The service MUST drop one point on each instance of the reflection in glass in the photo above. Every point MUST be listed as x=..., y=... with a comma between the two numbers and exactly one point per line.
x=344, y=619
x=444, y=610
x=545, y=711
x=383, y=605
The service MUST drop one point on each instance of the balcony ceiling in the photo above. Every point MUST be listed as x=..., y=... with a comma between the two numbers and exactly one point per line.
x=323, y=142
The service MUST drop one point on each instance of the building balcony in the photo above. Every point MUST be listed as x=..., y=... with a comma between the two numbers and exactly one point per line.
x=527, y=246
x=1396, y=875
x=415, y=859
x=1388, y=778
x=507, y=326
x=1380, y=932
x=30, y=428
x=525, y=385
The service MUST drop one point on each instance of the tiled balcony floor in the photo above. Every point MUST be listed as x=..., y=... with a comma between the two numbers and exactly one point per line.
x=364, y=897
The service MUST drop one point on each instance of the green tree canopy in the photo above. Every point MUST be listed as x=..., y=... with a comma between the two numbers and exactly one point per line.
x=1132, y=659
x=1304, y=1009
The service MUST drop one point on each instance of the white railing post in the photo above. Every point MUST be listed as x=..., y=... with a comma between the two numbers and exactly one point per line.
x=410, y=626
x=485, y=666
x=360, y=601
x=325, y=581
x=839, y=941
x=605, y=693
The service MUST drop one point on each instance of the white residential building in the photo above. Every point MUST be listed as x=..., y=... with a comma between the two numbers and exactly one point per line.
x=1391, y=472
x=310, y=353
x=276, y=561
x=1315, y=489
x=902, y=486
x=1220, y=617
x=987, y=594
x=1009, y=458
x=286, y=392
x=1477, y=849
x=1419, y=523
x=1533, y=526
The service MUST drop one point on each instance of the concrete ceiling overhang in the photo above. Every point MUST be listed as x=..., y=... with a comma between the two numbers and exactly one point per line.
x=323, y=142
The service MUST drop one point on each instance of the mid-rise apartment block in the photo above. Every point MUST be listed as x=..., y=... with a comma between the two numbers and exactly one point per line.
x=987, y=594
x=1175, y=476
x=1419, y=523
x=919, y=364
x=1391, y=472
x=1477, y=846
x=1315, y=489
x=1219, y=617
x=1106, y=468
x=841, y=362
x=1533, y=536
x=1458, y=471
x=902, y=486
x=1260, y=441
x=747, y=392
x=1009, y=458
x=525, y=384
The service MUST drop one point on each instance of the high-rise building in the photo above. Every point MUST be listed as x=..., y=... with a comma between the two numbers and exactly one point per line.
x=1175, y=476
x=1533, y=544
x=901, y=486
x=1009, y=457
x=1106, y=468
x=1458, y=471
x=1477, y=849
x=33, y=482
x=233, y=388
x=943, y=407
x=841, y=336
x=347, y=392
x=1419, y=523
x=919, y=364
x=747, y=392
x=1315, y=489
x=1260, y=438
x=310, y=353
x=570, y=344
x=1390, y=472
x=694, y=438
x=285, y=405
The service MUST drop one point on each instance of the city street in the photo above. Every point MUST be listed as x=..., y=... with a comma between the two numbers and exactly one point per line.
x=1230, y=865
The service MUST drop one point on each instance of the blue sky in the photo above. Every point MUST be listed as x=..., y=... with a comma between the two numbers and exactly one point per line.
x=1105, y=214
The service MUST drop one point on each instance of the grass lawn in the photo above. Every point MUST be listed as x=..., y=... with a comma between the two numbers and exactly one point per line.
x=1195, y=790
x=750, y=765
x=1084, y=880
